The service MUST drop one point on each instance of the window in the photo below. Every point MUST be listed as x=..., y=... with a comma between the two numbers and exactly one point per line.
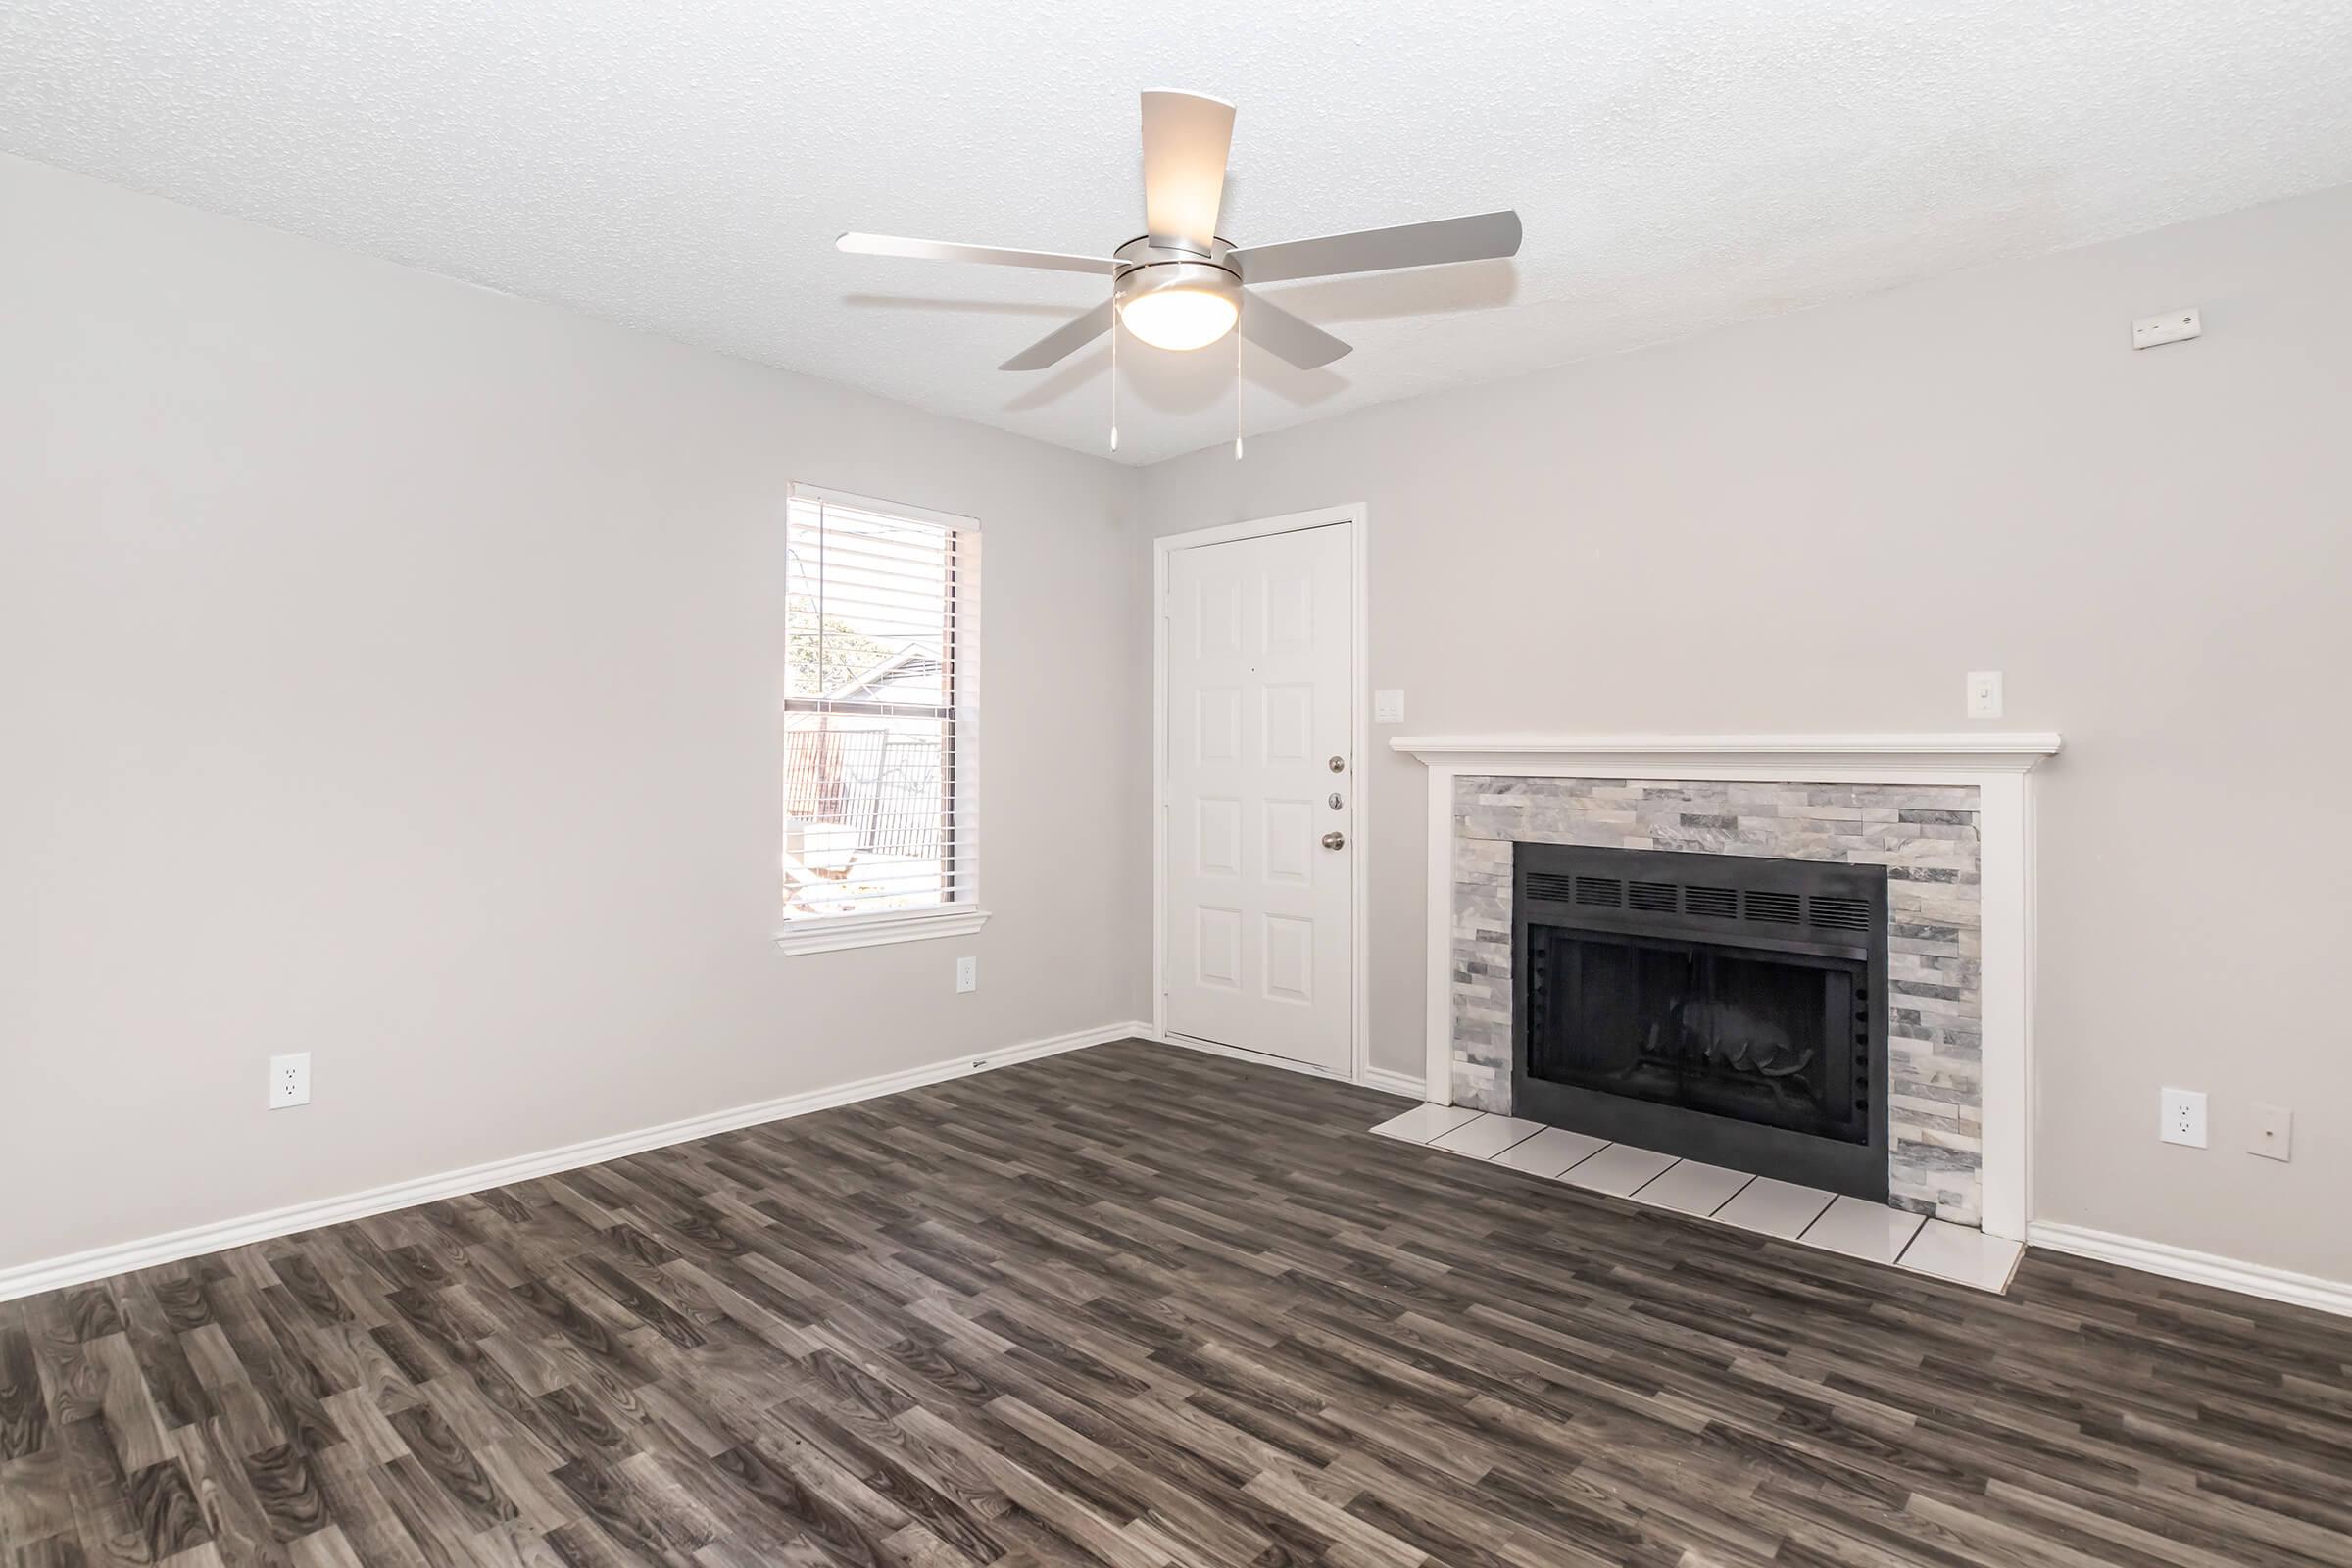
x=880, y=673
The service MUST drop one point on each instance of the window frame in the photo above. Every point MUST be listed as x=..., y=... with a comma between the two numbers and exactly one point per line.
x=960, y=713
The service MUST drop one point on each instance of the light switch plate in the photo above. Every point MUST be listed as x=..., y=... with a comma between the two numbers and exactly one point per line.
x=2273, y=1133
x=1983, y=694
x=1388, y=708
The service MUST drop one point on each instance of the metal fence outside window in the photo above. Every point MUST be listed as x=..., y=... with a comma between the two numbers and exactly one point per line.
x=883, y=784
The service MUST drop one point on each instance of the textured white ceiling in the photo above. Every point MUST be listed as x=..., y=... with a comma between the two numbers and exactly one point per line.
x=683, y=168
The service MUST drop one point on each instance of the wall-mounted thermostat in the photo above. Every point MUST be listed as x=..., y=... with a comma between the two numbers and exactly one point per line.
x=2173, y=327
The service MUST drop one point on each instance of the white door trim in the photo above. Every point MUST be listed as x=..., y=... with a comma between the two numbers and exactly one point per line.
x=1999, y=766
x=1353, y=518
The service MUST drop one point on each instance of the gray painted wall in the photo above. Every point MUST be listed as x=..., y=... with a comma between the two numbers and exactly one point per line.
x=388, y=670
x=1823, y=520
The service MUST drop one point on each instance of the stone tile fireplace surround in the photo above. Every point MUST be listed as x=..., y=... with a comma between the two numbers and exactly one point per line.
x=1924, y=834
x=1949, y=815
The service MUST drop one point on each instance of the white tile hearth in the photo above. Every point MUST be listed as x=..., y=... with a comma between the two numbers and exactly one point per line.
x=1550, y=1151
x=1688, y=1187
x=1424, y=1122
x=1872, y=1232
x=1964, y=1257
x=1775, y=1208
x=1620, y=1170
x=1486, y=1137
x=1876, y=1233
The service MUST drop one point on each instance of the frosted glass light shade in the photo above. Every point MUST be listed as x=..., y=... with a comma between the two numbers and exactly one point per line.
x=1179, y=318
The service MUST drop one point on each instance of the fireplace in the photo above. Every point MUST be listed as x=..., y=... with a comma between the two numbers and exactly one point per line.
x=1727, y=1009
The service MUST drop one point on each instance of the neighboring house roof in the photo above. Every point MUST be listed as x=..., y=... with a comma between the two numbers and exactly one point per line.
x=915, y=665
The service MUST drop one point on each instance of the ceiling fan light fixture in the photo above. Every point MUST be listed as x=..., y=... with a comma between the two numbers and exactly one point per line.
x=1179, y=284
x=1179, y=318
x=1173, y=297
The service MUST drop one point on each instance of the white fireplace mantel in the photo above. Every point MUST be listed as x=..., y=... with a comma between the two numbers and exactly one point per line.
x=1996, y=763
x=1967, y=752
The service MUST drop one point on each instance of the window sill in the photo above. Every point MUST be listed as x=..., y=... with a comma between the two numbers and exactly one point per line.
x=831, y=934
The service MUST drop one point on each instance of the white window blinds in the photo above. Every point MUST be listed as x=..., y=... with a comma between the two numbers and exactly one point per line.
x=881, y=679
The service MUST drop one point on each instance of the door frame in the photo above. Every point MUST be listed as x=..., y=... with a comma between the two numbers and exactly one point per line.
x=1353, y=517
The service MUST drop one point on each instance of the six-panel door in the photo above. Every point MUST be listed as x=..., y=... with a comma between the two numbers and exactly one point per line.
x=1260, y=884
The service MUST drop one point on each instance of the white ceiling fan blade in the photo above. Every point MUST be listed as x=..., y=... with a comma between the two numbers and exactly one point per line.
x=1480, y=237
x=940, y=250
x=1186, y=139
x=1064, y=341
x=1287, y=336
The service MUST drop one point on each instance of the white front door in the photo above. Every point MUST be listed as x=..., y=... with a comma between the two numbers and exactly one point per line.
x=1260, y=795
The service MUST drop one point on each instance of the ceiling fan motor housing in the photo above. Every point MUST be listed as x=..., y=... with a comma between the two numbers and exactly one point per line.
x=1148, y=267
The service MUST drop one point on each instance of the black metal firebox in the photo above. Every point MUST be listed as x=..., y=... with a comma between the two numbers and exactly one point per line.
x=1723, y=1007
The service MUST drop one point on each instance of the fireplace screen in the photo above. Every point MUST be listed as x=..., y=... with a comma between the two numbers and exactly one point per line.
x=1721, y=1007
x=1780, y=1041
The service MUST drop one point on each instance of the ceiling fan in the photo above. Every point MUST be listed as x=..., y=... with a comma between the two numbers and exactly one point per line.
x=1179, y=286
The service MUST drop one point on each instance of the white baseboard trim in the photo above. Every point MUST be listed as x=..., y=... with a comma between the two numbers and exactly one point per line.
x=2198, y=1269
x=80, y=1268
x=1411, y=1084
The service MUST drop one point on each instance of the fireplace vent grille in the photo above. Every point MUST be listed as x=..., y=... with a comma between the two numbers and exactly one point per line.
x=1600, y=891
x=1722, y=903
x=1837, y=914
x=1657, y=897
x=1758, y=905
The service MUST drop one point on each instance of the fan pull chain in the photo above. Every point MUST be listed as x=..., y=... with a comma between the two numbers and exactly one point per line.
x=1114, y=366
x=1237, y=394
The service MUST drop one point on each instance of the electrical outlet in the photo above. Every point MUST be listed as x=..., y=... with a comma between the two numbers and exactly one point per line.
x=2183, y=1120
x=1983, y=694
x=2173, y=327
x=2273, y=1133
x=967, y=974
x=290, y=1080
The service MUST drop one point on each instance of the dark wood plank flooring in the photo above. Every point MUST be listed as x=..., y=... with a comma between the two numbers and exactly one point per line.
x=1137, y=1307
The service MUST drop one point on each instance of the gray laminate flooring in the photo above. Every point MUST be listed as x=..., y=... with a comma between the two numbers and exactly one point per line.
x=1137, y=1307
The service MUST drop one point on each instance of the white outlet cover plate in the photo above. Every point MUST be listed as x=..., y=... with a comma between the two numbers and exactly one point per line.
x=967, y=974
x=2184, y=1117
x=1388, y=706
x=290, y=1080
x=2173, y=327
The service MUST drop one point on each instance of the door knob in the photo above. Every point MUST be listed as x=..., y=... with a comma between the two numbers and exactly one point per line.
x=1333, y=840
